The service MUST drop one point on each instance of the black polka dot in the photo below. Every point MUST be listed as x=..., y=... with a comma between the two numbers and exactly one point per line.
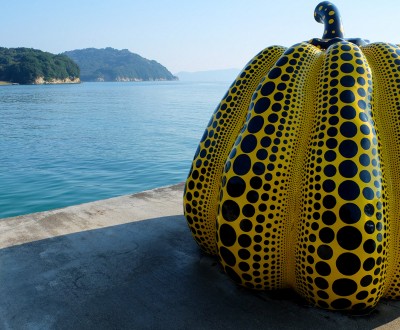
x=369, y=264
x=246, y=225
x=325, y=252
x=329, y=218
x=230, y=210
x=232, y=153
x=362, y=105
x=365, y=176
x=369, y=246
x=331, y=143
x=346, y=47
x=244, y=266
x=348, y=263
x=227, y=256
x=282, y=61
x=348, y=169
x=365, y=129
x=326, y=235
x=347, y=81
x=333, y=109
x=349, y=213
x=363, y=116
x=258, y=168
x=361, y=92
x=364, y=160
x=227, y=235
x=333, y=120
x=248, y=143
x=349, y=238
x=347, y=96
x=322, y=294
x=255, y=182
x=348, y=148
x=368, y=193
x=268, y=88
x=244, y=240
x=244, y=254
x=255, y=124
x=242, y=164
x=236, y=186
x=329, y=202
x=321, y=283
x=274, y=73
x=262, y=154
x=362, y=295
x=344, y=287
x=328, y=185
x=262, y=105
x=276, y=107
x=330, y=156
x=248, y=210
x=360, y=70
x=348, y=129
x=369, y=210
x=273, y=118
x=330, y=170
x=269, y=129
x=278, y=96
x=348, y=112
x=332, y=131
x=347, y=68
x=366, y=280
x=322, y=268
x=365, y=143
x=349, y=190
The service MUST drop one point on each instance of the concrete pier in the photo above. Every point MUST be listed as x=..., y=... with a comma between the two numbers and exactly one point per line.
x=130, y=263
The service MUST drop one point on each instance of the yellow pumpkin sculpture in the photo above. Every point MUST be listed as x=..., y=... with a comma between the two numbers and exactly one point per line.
x=295, y=183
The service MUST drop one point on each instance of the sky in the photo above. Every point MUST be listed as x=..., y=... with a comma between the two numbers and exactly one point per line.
x=186, y=35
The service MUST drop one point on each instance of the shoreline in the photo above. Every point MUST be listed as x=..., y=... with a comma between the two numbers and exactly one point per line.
x=88, y=216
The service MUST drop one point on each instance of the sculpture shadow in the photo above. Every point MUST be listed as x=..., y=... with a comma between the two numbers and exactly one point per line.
x=145, y=275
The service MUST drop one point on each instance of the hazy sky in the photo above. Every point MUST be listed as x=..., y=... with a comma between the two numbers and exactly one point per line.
x=186, y=35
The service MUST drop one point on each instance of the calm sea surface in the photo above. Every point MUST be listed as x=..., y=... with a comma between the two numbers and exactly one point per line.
x=68, y=144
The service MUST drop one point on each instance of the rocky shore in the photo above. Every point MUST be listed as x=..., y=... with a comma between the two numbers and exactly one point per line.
x=42, y=81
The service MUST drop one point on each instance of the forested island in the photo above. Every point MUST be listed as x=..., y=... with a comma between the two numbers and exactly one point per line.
x=109, y=64
x=33, y=66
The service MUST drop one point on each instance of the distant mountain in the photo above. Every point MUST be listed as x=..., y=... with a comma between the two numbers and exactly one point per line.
x=33, y=66
x=109, y=64
x=213, y=75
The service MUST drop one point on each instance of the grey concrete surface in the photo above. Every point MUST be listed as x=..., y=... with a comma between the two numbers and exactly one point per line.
x=131, y=263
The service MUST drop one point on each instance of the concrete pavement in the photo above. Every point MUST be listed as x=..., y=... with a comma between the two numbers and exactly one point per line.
x=130, y=263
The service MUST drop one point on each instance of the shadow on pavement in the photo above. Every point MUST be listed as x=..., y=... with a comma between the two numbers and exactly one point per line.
x=145, y=275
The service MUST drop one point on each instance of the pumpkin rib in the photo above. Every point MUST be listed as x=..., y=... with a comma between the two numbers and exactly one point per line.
x=306, y=114
x=203, y=182
x=263, y=159
x=337, y=256
x=382, y=57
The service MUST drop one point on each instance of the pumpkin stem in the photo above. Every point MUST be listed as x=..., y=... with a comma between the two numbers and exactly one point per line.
x=328, y=14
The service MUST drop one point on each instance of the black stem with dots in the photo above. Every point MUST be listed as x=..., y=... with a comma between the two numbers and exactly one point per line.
x=327, y=13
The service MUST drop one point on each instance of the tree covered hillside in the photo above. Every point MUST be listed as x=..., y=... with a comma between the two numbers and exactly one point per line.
x=109, y=64
x=27, y=66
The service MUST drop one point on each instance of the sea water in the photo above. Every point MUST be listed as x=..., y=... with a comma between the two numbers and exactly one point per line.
x=62, y=145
